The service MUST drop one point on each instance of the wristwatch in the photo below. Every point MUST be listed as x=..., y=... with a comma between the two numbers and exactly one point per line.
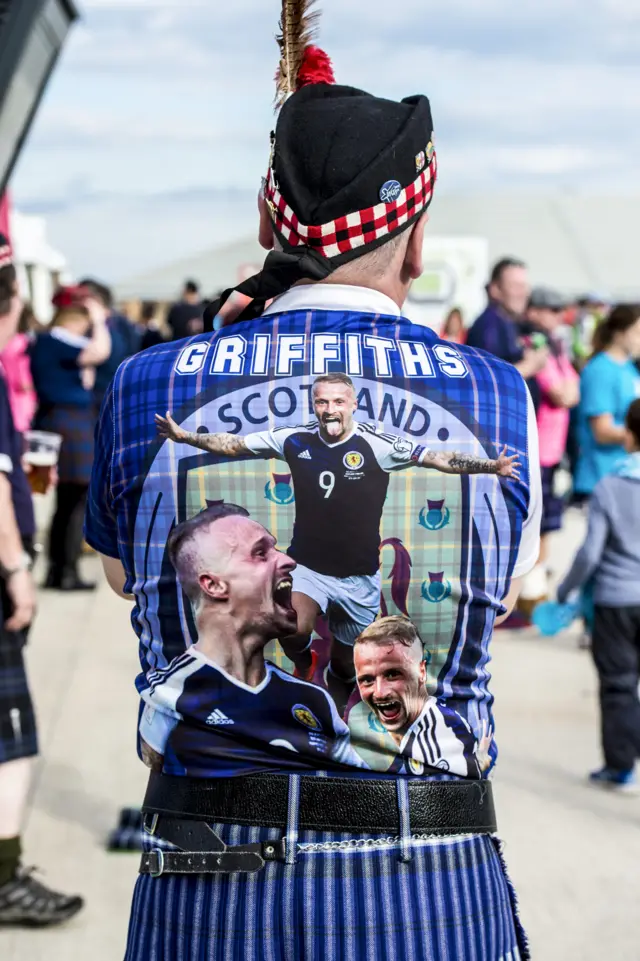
x=25, y=564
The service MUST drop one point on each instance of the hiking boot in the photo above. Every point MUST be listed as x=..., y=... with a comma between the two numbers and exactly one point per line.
x=28, y=903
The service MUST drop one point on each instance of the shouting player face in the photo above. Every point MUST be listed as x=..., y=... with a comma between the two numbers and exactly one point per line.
x=249, y=580
x=334, y=405
x=392, y=681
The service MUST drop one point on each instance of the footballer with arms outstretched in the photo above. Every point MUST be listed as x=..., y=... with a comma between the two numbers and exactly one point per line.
x=340, y=470
x=217, y=708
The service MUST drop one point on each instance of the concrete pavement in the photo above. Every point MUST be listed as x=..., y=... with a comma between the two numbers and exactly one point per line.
x=573, y=853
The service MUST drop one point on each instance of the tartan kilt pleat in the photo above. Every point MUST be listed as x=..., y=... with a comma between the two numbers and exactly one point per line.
x=18, y=730
x=344, y=901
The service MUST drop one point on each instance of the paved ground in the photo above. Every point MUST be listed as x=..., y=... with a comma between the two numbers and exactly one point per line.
x=573, y=852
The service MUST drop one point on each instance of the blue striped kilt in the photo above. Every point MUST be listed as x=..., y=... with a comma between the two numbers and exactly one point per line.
x=345, y=898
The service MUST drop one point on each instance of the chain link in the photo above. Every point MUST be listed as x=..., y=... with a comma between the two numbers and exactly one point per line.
x=360, y=844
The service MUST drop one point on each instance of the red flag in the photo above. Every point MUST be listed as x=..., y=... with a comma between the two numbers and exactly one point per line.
x=4, y=216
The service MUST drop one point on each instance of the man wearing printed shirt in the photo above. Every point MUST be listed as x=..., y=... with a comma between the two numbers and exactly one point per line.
x=392, y=677
x=240, y=588
x=349, y=181
x=340, y=470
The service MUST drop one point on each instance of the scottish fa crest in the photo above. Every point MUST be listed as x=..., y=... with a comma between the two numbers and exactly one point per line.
x=436, y=590
x=434, y=516
x=279, y=490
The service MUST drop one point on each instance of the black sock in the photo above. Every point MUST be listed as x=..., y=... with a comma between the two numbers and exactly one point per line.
x=10, y=851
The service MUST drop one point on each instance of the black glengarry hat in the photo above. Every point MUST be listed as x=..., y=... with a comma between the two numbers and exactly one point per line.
x=348, y=171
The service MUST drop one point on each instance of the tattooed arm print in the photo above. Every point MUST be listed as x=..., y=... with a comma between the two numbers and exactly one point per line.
x=227, y=444
x=451, y=462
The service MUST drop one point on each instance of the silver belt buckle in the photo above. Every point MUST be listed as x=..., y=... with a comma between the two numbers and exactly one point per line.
x=160, y=856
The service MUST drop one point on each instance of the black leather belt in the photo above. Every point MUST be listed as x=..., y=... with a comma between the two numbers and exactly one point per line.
x=206, y=853
x=179, y=810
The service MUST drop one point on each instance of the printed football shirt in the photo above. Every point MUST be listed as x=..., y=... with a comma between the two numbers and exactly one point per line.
x=446, y=547
x=226, y=726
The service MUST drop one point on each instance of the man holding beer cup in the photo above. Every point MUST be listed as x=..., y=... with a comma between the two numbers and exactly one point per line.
x=23, y=899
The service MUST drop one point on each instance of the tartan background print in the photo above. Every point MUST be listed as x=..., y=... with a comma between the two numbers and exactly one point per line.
x=355, y=229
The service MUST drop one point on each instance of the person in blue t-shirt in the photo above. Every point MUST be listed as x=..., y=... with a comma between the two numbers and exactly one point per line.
x=610, y=383
x=62, y=362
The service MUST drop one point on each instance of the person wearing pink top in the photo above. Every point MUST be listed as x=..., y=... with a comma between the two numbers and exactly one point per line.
x=559, y=391
x=16, y=367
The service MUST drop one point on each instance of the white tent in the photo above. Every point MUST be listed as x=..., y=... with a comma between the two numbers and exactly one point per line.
x=40, y=266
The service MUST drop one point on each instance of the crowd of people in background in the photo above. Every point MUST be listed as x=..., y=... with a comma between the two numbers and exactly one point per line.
x=581, y=362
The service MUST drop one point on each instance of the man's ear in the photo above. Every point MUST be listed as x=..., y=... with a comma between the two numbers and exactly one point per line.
x=413, y=259
x=423, y=672
x=265, y=231
x=214, y=587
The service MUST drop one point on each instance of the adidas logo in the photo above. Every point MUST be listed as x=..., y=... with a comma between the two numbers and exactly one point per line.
x=305, y=455
x=217, y=717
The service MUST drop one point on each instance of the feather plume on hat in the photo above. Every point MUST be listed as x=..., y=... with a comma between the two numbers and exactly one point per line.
x=301, y=63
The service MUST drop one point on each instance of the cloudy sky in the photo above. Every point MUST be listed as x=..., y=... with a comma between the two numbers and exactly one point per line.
x=153, y=134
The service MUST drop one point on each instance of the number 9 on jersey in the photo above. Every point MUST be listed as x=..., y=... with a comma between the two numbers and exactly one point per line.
x=327, y=483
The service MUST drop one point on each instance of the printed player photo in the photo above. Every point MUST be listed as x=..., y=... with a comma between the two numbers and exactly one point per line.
x=392, y=678
x=239, y=586
x=340, y=471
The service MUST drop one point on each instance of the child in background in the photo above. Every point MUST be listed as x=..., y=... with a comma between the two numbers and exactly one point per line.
x=611, y=556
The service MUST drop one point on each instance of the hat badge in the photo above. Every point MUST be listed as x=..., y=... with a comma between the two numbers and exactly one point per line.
x=390, y=191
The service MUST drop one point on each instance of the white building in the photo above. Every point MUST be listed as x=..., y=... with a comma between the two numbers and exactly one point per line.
x=41, y=268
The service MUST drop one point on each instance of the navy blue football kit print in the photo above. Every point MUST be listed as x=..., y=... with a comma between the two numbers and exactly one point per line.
x=340, y=491
x=321, y=519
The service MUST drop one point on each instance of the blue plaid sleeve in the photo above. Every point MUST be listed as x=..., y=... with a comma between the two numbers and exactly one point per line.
x=100, y=527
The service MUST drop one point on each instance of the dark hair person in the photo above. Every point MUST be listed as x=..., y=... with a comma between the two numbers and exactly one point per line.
x=609, y=384
x=150, y=325
x=185, y=316
x=63, y=362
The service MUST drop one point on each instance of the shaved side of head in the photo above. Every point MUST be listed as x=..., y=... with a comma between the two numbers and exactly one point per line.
x=205, y=543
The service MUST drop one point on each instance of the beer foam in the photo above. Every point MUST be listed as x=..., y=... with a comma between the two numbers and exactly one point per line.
x=41, y=458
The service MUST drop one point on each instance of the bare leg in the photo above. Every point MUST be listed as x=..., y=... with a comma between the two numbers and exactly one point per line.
x=15, y=778
x=545, y=544
x=297, y=647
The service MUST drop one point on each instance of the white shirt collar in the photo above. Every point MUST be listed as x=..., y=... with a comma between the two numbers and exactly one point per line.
x=67, y=337
x=334, y=297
